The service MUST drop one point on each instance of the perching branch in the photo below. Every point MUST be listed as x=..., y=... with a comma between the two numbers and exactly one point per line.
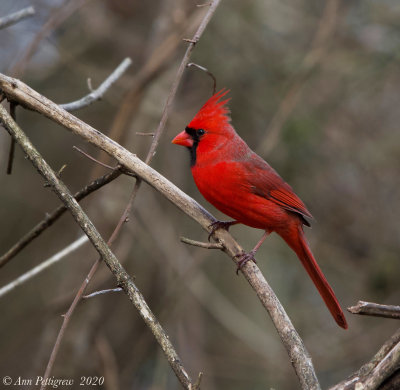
x=16, y=17
x=15, y=90
x=370, y=376
x=123, y=278
x=54, y=215
x=375, y=309
x=98, y=93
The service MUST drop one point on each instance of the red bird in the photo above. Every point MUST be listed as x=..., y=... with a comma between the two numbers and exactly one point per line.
x=242, y=185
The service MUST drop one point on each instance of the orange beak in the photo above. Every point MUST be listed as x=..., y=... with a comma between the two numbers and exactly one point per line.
x=183, y=139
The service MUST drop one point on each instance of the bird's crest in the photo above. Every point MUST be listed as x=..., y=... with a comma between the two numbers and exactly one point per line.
x=214, y=114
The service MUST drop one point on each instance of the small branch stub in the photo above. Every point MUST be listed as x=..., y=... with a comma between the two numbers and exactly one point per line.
x=375, y=309
x=207, y=245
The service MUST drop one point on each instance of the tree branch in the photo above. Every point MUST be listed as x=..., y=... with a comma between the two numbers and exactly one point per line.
x=123, y=278
x=207, y=245
x=15, y=90
x=54, y=215
x=44, y=265
x=16, y=17
x=374, y=373
x=168, y=105
x=375, y=309
x=98, y=93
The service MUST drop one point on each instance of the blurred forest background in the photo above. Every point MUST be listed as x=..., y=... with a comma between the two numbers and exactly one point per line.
x=315, y=90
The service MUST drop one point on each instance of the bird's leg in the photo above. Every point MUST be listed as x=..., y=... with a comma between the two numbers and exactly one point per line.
x=220, y=225
x=245, y=257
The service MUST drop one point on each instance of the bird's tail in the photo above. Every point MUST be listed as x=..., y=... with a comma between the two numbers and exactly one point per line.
x=296, y=240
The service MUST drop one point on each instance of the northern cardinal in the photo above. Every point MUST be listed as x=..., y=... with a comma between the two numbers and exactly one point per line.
x=243, y=186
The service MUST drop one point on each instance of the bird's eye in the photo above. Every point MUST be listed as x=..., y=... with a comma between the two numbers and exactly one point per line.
x=200, y=132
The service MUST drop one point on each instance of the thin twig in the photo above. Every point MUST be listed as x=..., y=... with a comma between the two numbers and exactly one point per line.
x=98, y=93
x=101, y=292
x=299, y=357
x=54, y=215
x=178, y=77
x=16, y=17
x=94, y=159
x=375, y=309
x=13, y=114
x=207, y=245
x=43, y=266
x=207, y=71
x=123, y=278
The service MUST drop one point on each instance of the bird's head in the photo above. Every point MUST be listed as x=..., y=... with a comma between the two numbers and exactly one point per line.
x=209, y=129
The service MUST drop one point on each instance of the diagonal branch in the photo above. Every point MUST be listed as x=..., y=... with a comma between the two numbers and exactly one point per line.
x=98, y=93
x=43, y=266
x=15, y=90
x=123, y=278
x=16, y=17
x=381, y=367
x=54, y=215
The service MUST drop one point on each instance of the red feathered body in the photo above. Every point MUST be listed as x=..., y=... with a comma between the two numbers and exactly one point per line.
x=243, y=186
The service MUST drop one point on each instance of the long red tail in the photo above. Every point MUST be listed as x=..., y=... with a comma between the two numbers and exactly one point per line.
x=296, y=240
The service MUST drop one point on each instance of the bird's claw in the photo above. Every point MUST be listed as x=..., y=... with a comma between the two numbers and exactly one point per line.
x=243, y=258
x=219, y=225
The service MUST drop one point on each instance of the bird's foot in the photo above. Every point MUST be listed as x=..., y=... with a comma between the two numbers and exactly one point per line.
x=220, y=225
x=243, y=258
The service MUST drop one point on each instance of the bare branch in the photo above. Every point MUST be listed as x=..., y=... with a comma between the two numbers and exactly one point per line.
x=43, y=266
x=178, y=77
x=93, y=159
x=101, y=292
x=16, y=17
x=123, y=278
x=54, y=215
x=375, y=309
x=207, y=245
x=207, y=71
x=12, y=145
x=98, y=93
x=299, y=357
x=372, y=374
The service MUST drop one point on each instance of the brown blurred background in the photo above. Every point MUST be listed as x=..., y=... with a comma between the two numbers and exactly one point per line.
x=315, y=90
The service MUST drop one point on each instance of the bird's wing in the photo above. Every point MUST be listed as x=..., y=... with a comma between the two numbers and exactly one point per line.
x=265, y=182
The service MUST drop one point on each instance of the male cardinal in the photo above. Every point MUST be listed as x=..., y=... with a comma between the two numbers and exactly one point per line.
x=242, y=185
